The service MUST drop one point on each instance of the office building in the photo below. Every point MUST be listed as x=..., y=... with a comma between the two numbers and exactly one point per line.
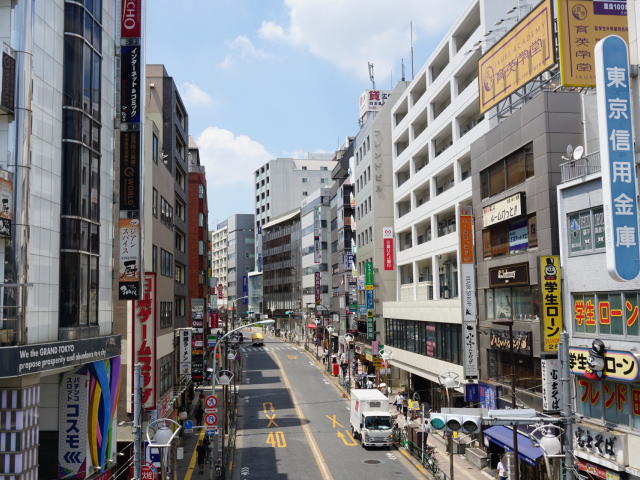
x=219, y=264
x=57, y=173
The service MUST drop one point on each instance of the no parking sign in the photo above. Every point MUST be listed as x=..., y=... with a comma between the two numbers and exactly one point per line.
x=211, y=419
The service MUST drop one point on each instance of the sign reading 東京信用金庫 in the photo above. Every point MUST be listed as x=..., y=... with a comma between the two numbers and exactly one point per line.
x=468, y=291
x=144, y=339
x=619, y=185
x=550, y=290
x=520, y=55
x=581, y=24
x=387, y=245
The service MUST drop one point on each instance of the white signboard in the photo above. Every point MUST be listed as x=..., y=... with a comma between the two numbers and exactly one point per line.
x=550, y=384
x=468, y=293
x=373, y=101
x=72, y=425
x=185, y=352
x=506, y=209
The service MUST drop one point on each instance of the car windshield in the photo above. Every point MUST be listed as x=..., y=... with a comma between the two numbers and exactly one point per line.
x=378, y=423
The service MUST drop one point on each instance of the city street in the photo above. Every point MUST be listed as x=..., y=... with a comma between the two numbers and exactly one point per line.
x=293, y=423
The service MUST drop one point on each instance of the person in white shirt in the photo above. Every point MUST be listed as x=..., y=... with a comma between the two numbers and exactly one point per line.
x=398, y=402
x=369, y=383
x=501, y=471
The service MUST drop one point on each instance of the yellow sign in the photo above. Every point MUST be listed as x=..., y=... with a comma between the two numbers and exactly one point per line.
x=581, y=24
x=369, y=357
x=618, y=365
x=524, y=52
x=413, y=405
x=549, y=268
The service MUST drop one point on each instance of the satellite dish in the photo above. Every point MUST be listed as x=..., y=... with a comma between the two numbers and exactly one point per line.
x=569, y=150
x=578, y=152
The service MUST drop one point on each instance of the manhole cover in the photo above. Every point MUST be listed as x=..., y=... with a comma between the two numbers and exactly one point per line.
x=372, y=462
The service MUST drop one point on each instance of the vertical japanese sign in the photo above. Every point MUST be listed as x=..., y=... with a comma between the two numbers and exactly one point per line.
x=245, y=289
x=387, y=245
x=468, y=290
x=368, y=275
x=197, y=352
x=131, y=118
x=581, y=24
x=6, y=203
x=185, y=352
x=7, y=79
x=549, y=268
x=144, y=339
x=317, y=244
x=72, y=425
x=129, y=270
x=317, y=285
x=550, y=384
x=371, y=326
x=220, y=291
x=370, y=299
x=214, y=320
x=619, y=189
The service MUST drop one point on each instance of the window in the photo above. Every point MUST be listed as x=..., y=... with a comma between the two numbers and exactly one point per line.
x=154, y=148
x=180, y=209
x=180, y=177
x=166, y=373
x=442, y=341
x=324, y=169
x=166, y=263
x=511, y=237
x=166, y=314
x=154, y=259
x=200, y=247
x=166, y=212
x=180, y=273
x=518, y=303
x=154, y=203
x=586, y=230
x=200, y=219
x=304, y=194
x=179, y=241
x=305, y=180
x=179, y=302
x=508, y=172
x=304, y=167
x=180, y=148
x=606, y=313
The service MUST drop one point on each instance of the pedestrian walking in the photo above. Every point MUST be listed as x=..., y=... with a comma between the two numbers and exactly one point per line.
x=325, y=356
x=369, y=383
x=342, y=358
x=207, y=444
x=397, y=402
x=201, y=453
x=426, y=428
x=198, y=414
x=501, y=471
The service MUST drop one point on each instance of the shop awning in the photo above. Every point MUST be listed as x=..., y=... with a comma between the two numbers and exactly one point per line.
x=312, y=325
x=503, y=436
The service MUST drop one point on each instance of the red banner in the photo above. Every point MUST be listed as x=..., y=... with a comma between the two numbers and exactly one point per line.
x=214, y=320
x=130, y=22
x=220, y=291
x=144, y=339
x=388, y=253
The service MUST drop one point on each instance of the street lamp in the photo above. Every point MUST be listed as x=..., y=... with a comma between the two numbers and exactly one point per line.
x=548, y=443
x=387, y=357
x=449, y=381
x=214, y=372
x=233, y=318
x=348, y=338
x=329, y=330
x=162, y=438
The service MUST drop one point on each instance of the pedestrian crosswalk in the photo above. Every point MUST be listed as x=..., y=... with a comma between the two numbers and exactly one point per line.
x=269, y=348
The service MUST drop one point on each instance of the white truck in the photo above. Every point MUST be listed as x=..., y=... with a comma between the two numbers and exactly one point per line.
x=370, y=418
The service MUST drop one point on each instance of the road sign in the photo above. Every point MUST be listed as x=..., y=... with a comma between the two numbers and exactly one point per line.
x=210, y=402
x=380, y=349
x=211, y=432
x=210, y=419
x=148, y=473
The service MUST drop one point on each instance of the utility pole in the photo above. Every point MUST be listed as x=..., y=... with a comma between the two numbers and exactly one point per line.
x=137, y=422
x=516, y=463
x=567, y=405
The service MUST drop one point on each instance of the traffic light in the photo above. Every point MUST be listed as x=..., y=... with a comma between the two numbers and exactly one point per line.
x=438, y=421
x=455, y=422
x=471, y=423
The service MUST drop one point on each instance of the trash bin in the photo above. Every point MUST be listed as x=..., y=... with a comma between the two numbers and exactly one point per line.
x=335, y=369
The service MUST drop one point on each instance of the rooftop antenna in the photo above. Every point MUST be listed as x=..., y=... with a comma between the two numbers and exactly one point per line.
x=402, y=67
x=371, y=77
x=411, y=38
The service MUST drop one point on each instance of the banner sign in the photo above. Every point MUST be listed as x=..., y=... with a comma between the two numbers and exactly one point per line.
x=369, y=295
x=549, y=268
x=129, y=270
x=214, y=320
x=318, y=290
x=130, y=23
x=144, y=340
x=371, y=326
x=550, y=384
x=619, y=184
x=368, y=275
x=317, y=245
x=582, y=24
x=130, y=87
x=220, y=291
x=73, y=425
x=129, y=170
x=468, y=304
x=618, y=365
x=185, y=352
x=519, y=56
x=6, y=203
x=509, y=275
x=8, y=80
x=387, y=241
x=373, y=101
x=503, y=210
x=245, y=289
x=197, y=354
x=499, y=340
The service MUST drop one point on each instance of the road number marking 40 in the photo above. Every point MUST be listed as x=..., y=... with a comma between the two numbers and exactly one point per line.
x=276, y=440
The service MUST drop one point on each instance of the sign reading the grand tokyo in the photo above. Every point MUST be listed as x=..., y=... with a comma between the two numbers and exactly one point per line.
x=619, y=184
x=524, y=52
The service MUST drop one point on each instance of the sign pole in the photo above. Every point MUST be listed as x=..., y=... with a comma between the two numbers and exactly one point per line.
x=567, y=405
x=137, y=427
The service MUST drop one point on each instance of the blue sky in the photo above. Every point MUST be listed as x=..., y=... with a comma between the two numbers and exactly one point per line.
x=267, y=78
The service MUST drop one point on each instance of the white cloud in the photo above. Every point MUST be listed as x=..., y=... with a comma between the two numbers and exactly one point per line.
x=241, y=47
x=230, y=159
x=194, y=96
x=350, y=34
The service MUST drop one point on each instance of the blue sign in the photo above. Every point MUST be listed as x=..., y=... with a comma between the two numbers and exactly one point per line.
x=615, y=127
x=488, y=395
x=369, y=299
x=471, y=392
x=188, y=424
x=211, y=433
x=362, y=309
x=245, y=289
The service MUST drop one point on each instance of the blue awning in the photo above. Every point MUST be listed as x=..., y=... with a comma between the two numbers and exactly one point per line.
x=503, y=436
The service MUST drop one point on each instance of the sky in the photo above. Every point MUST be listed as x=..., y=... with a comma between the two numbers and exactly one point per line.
x=277, y=78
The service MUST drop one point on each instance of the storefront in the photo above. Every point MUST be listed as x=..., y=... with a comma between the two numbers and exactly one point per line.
x=498, y=440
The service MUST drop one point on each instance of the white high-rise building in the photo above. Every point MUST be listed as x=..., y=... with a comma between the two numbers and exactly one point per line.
x=219, y=246
x=434, y=121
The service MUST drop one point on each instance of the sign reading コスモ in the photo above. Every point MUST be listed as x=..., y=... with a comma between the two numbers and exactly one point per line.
x=72, y=425
x=619, y=190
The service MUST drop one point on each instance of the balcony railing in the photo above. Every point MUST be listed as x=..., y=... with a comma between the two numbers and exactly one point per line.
x=579, y=168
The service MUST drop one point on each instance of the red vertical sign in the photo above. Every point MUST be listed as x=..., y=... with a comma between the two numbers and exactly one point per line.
x=214, y=320
x=220, y=291
x=387, y=239
x=131, y=18
x=144, y=339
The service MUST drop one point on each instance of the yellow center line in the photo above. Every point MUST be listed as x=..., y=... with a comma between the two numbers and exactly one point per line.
x=194, y=456
x=317, y=454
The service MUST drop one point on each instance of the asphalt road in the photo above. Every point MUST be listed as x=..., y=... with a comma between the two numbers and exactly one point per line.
x=294, y=424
